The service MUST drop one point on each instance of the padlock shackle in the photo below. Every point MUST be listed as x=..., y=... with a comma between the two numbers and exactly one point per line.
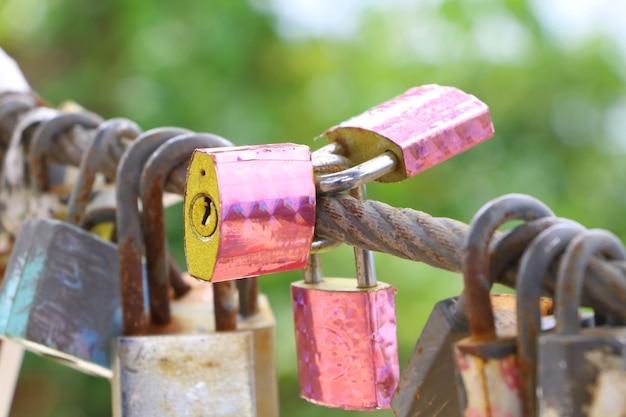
x=14, y=103
x=475, y=267
x=533, y=267
x=32, y=117
x=163, y=161
x=571, y=272
x=508, y=248
x=364, y=259
x=356, y=176
x=109, y=132
x=41, y=142
x=128, y=224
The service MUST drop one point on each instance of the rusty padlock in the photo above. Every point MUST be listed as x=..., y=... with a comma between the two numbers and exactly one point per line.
x=59, y=296
x=424, y=387
x=534, y=264
x=485, y=361
x=572, y=358
x=13, y=186
x=412, y=132
x=49, y=181
x=72, y=310
x=249, y=211
x=183, y=369
x=187, y=314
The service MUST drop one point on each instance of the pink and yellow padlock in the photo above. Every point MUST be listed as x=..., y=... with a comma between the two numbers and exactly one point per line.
x=251, y=211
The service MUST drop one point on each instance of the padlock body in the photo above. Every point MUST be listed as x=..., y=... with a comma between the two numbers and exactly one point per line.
x=190, y=375
x=569, y=366
x=346, y=343
x=248, y=211
x=62, y=295
x=424, y=387
x=423, y=127
x=490, y=377
x=194, y=314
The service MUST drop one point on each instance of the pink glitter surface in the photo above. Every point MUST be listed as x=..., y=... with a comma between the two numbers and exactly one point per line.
x=430, y=124
x=346, y=345
x=267, y=215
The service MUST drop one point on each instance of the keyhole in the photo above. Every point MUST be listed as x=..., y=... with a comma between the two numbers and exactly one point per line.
x=204, y=215
x=207, y=210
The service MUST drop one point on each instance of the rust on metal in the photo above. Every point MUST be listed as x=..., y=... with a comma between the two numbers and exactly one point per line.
x=477, y=282
x=179, y=285
x=248, y=289
x=572, y=270
x=92, y=161
x=157, y=168
x=131, y=287
x=534, y=264
x=128, y=224
x=41, y=142
x=225, y=306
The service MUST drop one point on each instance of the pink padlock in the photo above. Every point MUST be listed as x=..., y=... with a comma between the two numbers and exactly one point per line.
x=346, y=337
x=249, y=210
x=418, y=129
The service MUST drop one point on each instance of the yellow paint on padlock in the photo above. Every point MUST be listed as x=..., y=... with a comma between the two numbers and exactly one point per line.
x=248, y=211
x=104, y=230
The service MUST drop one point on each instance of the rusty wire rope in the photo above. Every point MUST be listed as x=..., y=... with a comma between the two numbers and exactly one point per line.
x=401, y=232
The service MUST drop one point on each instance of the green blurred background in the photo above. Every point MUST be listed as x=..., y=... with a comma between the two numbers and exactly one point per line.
x=263, y=71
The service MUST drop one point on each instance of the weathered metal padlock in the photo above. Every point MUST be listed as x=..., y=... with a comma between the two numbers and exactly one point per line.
x=128, y=173
x=534, y=264
x=609, y=395
x=49, y=185
x=485, y=361
x=570, y=358
x=346, y=337
x=60, y=292
x=190, y=314
x=249, y=211
x=412, y=132
x=185, y=373
x=13, y=187
x=424, y=387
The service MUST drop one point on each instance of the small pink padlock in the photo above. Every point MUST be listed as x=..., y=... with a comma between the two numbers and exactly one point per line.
x=346, y=336
x=249, y=210
x=415, y=131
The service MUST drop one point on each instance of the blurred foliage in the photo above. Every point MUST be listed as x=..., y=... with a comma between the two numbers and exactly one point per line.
x=275, y=70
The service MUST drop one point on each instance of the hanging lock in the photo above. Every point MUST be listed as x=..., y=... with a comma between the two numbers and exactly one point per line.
x=51, y=183
x=346, y=335
x=577, y=357
x=485, y=361
x=425, y=387
x=413, y=132
x=249, y=211
x=59, y=297
x=534, y=264
x=185, y=373
x=190, y=313
x=13, y=187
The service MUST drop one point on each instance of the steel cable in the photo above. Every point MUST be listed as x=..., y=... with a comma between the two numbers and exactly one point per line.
x=401, y=232
x=438, y=242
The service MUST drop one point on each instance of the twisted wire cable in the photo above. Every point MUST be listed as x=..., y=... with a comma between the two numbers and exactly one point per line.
x=373, y=225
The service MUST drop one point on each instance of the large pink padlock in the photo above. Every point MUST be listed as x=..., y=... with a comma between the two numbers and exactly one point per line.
x=415, y=131
x=249, y=210
x=346, y=337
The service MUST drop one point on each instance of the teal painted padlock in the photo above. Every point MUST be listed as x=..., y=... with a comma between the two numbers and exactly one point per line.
x=61, y=296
